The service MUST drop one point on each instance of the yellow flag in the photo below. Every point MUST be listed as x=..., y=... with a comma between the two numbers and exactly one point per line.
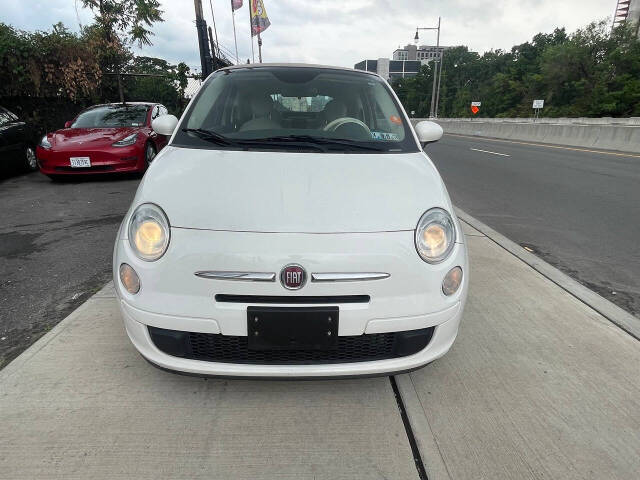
x=259, y=20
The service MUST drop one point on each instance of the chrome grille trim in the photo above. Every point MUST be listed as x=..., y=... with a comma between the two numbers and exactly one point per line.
x=348, y=277
x=241, y=276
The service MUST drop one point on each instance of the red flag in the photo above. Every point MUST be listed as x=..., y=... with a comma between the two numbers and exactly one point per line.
x=236, y=4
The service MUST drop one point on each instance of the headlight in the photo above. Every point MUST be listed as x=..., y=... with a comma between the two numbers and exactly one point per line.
x=435, y=235
x=44, y=143
x=149, y=232
x=126, y=141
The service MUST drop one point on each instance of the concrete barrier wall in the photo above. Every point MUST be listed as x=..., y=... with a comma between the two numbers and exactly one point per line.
x=611, y=134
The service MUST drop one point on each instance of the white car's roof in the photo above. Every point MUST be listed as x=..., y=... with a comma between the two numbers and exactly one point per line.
x=296, y=65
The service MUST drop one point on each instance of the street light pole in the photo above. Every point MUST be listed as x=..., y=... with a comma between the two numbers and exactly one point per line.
x=435, y=79
x=433, y=110
x=439, y=78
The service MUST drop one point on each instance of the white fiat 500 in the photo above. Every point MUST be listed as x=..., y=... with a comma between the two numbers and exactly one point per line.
x=293, y=227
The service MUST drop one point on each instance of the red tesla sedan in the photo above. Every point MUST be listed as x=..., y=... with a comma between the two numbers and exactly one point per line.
x=106, y=138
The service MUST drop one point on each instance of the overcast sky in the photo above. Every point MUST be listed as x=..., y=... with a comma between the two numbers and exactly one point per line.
x=335, y=32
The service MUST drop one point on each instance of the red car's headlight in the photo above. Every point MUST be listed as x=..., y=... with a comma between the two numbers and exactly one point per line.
x=126, y=141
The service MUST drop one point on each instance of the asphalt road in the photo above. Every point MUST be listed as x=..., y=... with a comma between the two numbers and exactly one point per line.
x=578, y=210
x=56, y=242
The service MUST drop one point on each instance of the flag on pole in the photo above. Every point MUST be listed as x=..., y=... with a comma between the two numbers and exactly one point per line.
x=235, y=5
x=259, y=20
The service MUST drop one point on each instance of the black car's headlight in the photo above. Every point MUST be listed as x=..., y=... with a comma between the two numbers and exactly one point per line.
x=149, y=232
x=435, y=235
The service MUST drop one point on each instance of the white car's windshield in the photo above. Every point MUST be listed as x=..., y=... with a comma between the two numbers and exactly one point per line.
x=296, y=108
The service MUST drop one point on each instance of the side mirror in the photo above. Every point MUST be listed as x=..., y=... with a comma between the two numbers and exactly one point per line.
x=68, y=124
x=164, y=124
x=428, y=132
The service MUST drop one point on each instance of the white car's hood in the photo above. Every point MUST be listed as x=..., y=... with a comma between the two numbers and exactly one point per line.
x=292, y=192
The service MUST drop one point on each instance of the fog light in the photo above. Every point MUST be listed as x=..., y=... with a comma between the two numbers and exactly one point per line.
x=129, y=279
x=452, y=281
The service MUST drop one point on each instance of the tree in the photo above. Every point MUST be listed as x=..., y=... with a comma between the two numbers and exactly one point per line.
x=591, y=72
x=165, y=83
x=127, y=18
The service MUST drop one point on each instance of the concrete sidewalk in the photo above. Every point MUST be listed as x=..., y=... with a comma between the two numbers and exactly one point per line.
x=537, y=386
x=82, y=404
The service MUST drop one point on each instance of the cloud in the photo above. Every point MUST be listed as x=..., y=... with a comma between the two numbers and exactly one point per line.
x=336, y=32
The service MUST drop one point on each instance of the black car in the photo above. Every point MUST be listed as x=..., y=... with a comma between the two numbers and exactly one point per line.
x=17, y=147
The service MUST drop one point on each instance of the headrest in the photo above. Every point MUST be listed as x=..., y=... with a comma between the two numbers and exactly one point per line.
x=335, y=109
x=261, y=106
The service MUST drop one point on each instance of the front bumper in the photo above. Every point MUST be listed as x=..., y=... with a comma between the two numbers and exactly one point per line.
x=173, y=298
x=443, y=337
x=107, y=160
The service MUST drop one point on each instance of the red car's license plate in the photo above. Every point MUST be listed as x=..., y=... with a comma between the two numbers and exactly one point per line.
x=80, y=162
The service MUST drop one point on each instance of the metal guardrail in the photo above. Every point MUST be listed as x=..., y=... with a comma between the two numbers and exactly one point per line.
x=631, y=121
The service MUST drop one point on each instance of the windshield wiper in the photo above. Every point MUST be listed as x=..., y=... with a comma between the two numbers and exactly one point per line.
x=343, y=142
x=283, y=141
x=304, y=141
x=214, y=137
x=210, y=136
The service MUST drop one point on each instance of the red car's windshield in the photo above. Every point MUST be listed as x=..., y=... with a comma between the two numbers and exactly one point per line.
x=112, y=116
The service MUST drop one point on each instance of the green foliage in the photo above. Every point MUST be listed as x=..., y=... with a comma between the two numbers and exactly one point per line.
x=48, y=77
x=128, y=18
x=166, y=86
x=592, y=72
x=56, y=63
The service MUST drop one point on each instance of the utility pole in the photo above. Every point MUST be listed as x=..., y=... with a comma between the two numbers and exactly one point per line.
x=215, y=51
x=259, y=48
x=433, y=110
x=201, y=27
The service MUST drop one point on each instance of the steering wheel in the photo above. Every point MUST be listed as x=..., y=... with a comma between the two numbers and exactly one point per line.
x=338, y=122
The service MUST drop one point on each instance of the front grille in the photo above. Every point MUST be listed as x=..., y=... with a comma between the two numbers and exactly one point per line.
x=234, y=349
x=292, y=299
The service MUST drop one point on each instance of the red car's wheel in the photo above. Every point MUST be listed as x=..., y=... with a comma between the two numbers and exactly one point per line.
x=149, y=153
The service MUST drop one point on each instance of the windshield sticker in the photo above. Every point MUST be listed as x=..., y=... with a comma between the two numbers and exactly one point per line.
x=385, y=136
x=134, y=124
x=395, y=119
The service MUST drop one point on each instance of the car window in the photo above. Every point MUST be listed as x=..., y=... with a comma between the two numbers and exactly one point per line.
x=253, y=104
x=112, y=116
x=6, y=117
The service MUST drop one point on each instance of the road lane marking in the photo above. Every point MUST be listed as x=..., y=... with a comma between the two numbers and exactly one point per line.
x=477, y=137
x=492, y=153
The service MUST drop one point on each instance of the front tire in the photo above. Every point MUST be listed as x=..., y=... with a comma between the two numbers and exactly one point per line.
x=150, y=153
x=30, y=160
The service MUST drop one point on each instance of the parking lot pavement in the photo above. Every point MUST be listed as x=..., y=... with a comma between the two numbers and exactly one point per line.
x=537, y=386
x=56, y=241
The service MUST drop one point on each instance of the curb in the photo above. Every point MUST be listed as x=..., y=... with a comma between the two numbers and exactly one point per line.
x=616, y=315
x=14, y=365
